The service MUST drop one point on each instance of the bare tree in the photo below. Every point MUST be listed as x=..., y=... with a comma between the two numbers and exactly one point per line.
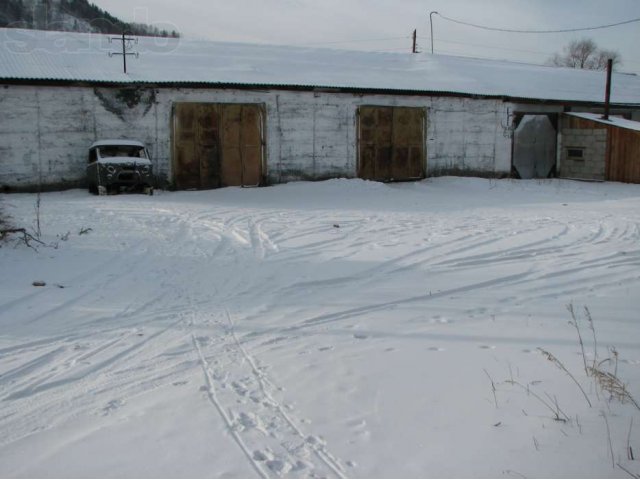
x=604, y=56
x=585, y=54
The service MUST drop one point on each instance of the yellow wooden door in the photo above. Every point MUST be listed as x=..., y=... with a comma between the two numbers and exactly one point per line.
x=391, y=143
x=217, y=145
x=186, y=166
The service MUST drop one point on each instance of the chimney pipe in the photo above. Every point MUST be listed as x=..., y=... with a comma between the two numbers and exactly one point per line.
x=607, y=100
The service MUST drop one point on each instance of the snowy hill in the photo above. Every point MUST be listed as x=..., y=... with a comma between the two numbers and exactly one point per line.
x=69, y=16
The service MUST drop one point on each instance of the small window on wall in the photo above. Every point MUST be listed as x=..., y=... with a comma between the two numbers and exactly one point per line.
x=575, y=153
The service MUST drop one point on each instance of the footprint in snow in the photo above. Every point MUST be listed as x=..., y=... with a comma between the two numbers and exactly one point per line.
x=112, y=406
x=316, y=440
x=249, y=421
x=360, y=336
x=204, y=341
x=357, y=424
x=441, y=320
x=436, y=349
x=239, y=388
x=298, y=450
x=279, y=466
x=487, y=347
x=263, y=455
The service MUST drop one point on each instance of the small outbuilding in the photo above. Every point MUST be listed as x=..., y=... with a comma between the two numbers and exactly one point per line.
x=595, y=148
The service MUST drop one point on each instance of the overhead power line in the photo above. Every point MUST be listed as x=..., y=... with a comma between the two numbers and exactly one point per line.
x=506, y=49
x=357, y=40
x=510, y=30
x=491, y=47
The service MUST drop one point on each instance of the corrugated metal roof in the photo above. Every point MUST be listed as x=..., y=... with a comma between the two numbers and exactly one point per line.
x=30, y=55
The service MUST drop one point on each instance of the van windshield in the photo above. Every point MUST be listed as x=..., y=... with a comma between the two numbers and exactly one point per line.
x=122, y=151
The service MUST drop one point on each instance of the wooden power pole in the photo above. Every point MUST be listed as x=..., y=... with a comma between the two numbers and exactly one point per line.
x=607, y=98
x=415, y=41
x=127, y=43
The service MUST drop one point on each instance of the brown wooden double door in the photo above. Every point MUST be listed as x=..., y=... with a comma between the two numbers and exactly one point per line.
x=217, y=145
x=391, y=143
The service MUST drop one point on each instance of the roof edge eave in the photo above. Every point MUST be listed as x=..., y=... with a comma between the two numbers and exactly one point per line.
x=298, y=87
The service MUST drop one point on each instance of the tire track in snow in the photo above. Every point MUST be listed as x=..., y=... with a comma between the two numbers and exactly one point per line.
x=77, y=279
x=46, y=405
x=387, y=267
x=51, y=370
x=260, y=241
x=92, y=372
x=359, y=311
x=514, y=255
x=7, y=378
x=572, y=249
x=424, y=256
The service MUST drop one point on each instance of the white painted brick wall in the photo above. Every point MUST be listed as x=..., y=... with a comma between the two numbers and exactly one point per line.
x=46, y=131
x=594, y=142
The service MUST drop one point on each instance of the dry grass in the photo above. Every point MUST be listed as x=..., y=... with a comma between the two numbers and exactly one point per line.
x=602, y=375
x=610, y=383
x=4, y=225
x=552, y=358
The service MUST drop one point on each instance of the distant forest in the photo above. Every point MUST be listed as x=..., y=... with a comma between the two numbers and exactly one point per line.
x=71, y=16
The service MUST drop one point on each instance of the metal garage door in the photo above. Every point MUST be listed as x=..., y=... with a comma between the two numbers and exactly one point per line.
x=391, y=143
x=535, y=146
x=217, y=145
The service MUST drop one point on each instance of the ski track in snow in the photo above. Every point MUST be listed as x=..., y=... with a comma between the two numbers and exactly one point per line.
x=97, y=362
x=246, y=399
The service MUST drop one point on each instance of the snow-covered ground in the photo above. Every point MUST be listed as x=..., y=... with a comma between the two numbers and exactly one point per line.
x=342, y=328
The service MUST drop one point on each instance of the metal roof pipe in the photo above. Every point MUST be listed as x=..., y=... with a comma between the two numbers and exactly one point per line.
x=607, y=99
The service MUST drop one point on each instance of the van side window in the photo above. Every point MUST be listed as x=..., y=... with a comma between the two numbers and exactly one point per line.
x=93, y=156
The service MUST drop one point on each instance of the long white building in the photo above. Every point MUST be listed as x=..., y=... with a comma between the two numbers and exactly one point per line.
x=221, y=114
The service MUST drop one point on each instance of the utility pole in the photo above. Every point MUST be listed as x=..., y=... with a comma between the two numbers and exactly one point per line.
x=607, y=98
x=415, y=41
x=127, y=43
x=431, y=23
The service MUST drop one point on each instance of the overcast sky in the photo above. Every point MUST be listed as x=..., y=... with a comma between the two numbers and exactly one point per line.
x=386, y=25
